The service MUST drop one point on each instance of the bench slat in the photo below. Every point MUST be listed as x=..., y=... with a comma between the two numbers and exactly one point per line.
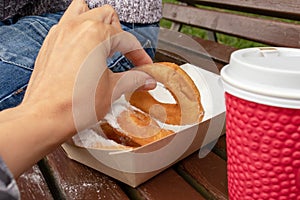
x=220, y=147
x=261, y=30
x=276, y=8
x=209, y=171
x=218, y=52
x=168, y=185
x=73, y=180
x=185, y=49
x=32, y=185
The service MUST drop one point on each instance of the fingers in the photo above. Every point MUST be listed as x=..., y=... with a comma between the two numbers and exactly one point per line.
x=76, y=8
x=128, y=44
x=128, y=82
x=139, y=57
x=125, y=42
x=105, y=14
x=79, y=9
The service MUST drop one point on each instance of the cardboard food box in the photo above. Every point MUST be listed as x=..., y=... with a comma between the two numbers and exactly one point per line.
x=137, y=165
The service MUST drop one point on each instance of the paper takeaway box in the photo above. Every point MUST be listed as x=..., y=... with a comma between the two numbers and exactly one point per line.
x=137, y=165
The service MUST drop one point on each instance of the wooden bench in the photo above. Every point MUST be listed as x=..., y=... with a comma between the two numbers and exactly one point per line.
x=58, y=177
x=270, y=23
x=32, y=185
x=63, y=178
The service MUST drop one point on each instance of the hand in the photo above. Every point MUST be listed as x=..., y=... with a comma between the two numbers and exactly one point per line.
x=70, y=72
x=70, y=87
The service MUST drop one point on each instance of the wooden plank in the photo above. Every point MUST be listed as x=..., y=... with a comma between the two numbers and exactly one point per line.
x=276, y=8
x=200, y=62
x=209, y=171
x=266, y=31
x=175, y=26
x=166, y=56
x=32, y=185
x=218, y=52
x=220, y=147
x=168, y=185
x=72, y=180
x=211, y=35
x=182, y=49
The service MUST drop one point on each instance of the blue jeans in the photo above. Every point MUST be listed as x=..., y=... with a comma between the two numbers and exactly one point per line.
x=21, y=39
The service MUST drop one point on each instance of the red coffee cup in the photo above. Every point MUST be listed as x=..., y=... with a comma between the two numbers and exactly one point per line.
x=262, y=92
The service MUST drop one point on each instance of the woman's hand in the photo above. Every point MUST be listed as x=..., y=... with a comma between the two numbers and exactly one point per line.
x=71, y=86
x=70, y=72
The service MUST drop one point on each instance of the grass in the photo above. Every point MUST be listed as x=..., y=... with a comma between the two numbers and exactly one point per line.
x=222, y=38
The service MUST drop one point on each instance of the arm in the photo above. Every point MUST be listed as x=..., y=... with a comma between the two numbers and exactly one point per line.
x=45, y=118
x=31, y=133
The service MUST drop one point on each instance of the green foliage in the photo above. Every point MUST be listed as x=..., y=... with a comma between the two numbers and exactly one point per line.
x=194, y=31
x=237, y=42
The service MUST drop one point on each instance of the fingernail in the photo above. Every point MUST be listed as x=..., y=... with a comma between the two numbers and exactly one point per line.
x=150, y=84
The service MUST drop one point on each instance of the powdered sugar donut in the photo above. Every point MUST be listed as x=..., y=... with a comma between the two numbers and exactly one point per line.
x=187, y=110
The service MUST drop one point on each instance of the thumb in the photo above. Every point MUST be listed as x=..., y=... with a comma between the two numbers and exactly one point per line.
x=131, y=81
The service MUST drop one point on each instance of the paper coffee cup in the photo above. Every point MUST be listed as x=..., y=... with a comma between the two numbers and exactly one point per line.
x=262, y=92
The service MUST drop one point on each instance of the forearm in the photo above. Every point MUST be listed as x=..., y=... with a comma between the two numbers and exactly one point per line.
x=30, y=134
x=44, y=120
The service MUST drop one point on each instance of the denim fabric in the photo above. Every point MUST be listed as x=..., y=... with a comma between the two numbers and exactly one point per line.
x=20, y=42
x=21, y=39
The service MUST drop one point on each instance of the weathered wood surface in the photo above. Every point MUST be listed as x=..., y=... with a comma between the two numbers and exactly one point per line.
x=72, y=180
x=179, y=48
x=192, y=178
x=276, y=8
x=209, y=173
x=266, y=31
x=32, y=185
x=168, y=185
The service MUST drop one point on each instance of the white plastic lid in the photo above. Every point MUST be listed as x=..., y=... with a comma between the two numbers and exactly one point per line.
x=265, y=75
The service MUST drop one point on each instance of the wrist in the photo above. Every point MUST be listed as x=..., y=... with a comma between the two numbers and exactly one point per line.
x=31, y=131
x=54, y=118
